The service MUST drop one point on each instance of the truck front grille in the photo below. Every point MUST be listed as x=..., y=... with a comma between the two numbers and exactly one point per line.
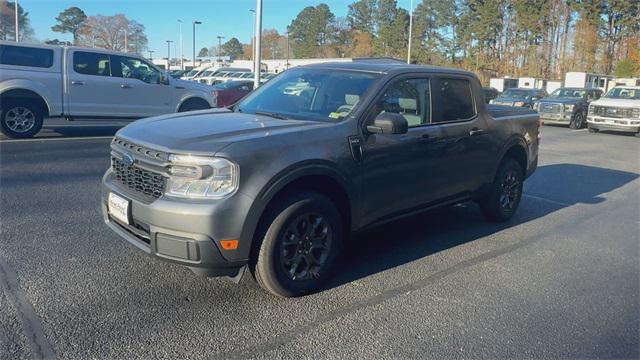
x=612, y=112
x=550, y=108
x=135, y=178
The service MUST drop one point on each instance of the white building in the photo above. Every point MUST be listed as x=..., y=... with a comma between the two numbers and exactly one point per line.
x=588, y=80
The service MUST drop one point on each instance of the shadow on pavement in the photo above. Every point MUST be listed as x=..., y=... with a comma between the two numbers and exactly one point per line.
x=81, y=131
x=419, y=236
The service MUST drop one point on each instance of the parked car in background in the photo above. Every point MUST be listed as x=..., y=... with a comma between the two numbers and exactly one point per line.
x=41, y=81
x=567, y=106
x=276, y=184
x=228, y=93
x=618, y=109
x=177, y=74
x=519, y=97
x=490, y=94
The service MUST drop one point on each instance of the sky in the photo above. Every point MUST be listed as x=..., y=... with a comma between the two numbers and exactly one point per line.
x=228, y=18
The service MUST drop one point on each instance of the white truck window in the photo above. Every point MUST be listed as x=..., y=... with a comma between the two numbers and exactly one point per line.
x=26, y=56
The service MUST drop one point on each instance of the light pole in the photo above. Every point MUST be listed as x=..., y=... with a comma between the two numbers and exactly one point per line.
x=169, y=54
x=126, y=43
x=253, y=37
x=195, y=22
x=219, y=46
x=181, y=47
x=17, y=37
x=410, y=30
x=151, y=54
x=287, y=65
x=258, y=53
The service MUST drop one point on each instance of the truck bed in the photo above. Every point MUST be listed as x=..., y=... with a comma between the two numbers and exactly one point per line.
x=499, y=111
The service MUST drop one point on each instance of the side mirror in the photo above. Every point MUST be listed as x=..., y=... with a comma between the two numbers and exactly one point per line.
x=389, y=123
x=164, y=79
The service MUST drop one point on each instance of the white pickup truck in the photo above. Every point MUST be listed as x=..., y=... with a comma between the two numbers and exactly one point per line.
x=618, y=109
x=39, y=81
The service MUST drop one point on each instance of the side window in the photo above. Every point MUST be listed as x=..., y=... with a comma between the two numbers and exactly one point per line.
x=89, y=63
x=456, y=101
x=409, y=98
x=132, y=68
x=26, y=56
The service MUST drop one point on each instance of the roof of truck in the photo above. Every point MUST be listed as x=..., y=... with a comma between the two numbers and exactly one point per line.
x=384, y=66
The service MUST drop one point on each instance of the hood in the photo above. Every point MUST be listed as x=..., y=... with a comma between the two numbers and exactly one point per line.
x=206, y=131
x=512, y=100
x=623, y=103
x=560, y=101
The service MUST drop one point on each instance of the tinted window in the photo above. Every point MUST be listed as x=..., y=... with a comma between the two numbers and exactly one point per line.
x=91, y=63
x=26, y=56
x=456, y=101
x=409, y=98
x=133, y=68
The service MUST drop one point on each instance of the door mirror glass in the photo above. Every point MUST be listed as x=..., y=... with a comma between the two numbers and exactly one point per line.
x=164, y=79
x=389, y=123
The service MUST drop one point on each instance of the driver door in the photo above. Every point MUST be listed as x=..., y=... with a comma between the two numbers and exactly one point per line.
x=141, y=89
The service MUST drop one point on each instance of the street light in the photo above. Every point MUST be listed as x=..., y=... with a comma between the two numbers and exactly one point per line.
x=219, y=46
x=169, y=54
x=195, y=22
x=17, y=25
x=258, y=34
x=181, y=47
x=253, y=37
x=410, y=30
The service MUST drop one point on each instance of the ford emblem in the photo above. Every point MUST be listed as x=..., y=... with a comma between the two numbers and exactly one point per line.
x=128, y=159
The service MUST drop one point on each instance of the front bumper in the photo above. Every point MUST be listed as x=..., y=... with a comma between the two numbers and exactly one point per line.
x=617, y=124
x=183, y=231
x=559, y=118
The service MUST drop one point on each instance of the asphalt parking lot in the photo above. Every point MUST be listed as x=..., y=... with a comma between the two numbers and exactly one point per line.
x=560, y=280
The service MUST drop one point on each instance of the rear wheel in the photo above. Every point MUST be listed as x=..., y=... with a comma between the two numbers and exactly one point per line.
x=503, y=200
x=194, y=104
x=20, y=118
x=578, y=121
x=300, y=246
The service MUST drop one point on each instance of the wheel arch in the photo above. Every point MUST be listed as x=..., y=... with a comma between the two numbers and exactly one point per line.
x=21, y=93
x=194, y=97
x=516, y=149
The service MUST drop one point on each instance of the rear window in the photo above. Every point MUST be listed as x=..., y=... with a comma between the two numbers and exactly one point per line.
x=89, y=63
x=456, y=101
x=26, y=56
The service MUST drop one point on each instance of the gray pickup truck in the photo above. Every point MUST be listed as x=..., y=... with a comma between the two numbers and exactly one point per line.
x=275, y=184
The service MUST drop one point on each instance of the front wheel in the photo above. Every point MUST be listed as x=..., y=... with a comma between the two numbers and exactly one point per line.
x=20, y=119
x=504, y=197
x=300, y=246
x=578, y=121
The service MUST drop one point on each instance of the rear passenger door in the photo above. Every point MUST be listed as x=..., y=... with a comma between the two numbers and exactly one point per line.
x=91, y=91
x=397, y=168
x=467, y=151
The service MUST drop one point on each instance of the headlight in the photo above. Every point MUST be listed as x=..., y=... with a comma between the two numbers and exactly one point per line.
x=569, y=107
x=635, y=113
x=491, y=101
x=518, y=103
x=536, y=106
x=200, y=177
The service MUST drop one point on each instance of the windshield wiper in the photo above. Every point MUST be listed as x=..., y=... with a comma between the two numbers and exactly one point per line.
x=272, y=114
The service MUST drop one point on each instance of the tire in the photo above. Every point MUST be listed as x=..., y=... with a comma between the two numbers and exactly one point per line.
x=20, y=118
x=578, y=121
x=286, y=268
x=505, y=194
x=593, y=130
x=194, y=104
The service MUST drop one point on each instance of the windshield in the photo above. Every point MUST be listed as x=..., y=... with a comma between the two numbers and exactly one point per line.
x=191, y=73
x=515, y=94
x=232, y=84
x=623, y=93
x=309, y=94
x=207, y=73
x=568, y=93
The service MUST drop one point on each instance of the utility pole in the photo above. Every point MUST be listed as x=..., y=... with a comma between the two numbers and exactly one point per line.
x=169, y=54
x=17, y=37
x=253, y=38
x=287, y=65
x=219, y=46
x=151, y=54
x=126, y=43
x=410, y=30
x=258, y=54
x=195, y=22
x=181, y=47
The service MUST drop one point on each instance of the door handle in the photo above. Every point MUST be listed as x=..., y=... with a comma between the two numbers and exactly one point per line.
x=179, y=87
x=125, y=86
x=475, y=132
x=76, y=82
x=426, y=138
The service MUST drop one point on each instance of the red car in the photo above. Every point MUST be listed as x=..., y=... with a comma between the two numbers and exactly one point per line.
x=228, y=93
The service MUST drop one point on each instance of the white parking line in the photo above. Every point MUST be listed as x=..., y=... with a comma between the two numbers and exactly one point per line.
x=55, y=139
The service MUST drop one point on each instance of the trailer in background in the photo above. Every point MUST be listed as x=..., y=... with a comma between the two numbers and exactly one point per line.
x=502, y=84
x=552, y=85
x=587, y=80
x=626, y=82
x=532, y=83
